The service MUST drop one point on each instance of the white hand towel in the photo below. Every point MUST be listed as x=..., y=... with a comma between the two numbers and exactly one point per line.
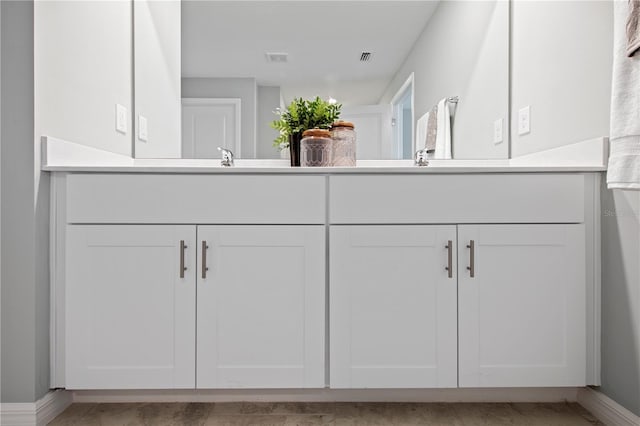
x=633, y=28
x=421, y=132
x=443, y=135
x=624, y=158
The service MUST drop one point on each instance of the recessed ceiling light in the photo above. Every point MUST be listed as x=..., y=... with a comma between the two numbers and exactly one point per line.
x=277, y=57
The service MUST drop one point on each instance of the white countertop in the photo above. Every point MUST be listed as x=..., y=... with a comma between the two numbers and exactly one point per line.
x=63, y=156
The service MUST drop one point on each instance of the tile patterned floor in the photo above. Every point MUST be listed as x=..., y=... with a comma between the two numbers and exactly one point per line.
x=338, y=414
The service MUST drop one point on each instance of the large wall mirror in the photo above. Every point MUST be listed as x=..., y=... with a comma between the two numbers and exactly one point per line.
x=388, y=63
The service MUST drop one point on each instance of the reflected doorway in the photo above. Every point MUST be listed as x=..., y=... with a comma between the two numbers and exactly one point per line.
x=209, y=123
x=402, y=122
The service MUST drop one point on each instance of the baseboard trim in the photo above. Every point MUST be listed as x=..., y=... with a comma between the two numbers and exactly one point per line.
x=51, y=405
x=331, y=395
x=37, y=413
x=18, y=414
x=44, y=410
x=606, y=409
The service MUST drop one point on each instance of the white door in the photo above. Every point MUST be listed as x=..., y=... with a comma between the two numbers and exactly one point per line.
x=208, y=124
x=261, y=307
x=374, y=139
x=130, y=316
x=393, y=307
x=522, y=314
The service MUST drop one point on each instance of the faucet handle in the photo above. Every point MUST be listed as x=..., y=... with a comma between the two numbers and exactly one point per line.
x=227, y=157
x=420, y=158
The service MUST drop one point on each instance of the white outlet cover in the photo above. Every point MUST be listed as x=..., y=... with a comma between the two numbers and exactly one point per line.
x=143, y=129
x=498, y=126
x=121, y=118
x=524, y=120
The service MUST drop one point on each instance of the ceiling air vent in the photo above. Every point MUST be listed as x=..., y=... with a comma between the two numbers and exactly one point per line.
x=277, y=57
x=365, y=56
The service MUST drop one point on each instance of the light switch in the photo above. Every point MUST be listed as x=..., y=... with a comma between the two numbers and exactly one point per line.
x=497, y=131
x=121, y=119
x=524, y=120
x=143, y=134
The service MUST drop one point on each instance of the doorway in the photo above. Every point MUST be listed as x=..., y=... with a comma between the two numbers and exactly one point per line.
x=403, y=119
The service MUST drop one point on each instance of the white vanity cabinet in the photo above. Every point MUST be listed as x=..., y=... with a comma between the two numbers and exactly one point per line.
x=522, y=313
x=393, y=307
x=250, y=281
x=130, y=315
x=261, y=307
x=513, y=313
x=156, y=306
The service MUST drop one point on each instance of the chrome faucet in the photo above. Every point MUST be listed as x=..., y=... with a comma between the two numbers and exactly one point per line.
x=227, y=157
x=420, y=158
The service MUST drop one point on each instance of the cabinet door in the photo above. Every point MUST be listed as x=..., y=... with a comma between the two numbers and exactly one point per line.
x=392, y=307
x=261, y=307
x=522, y=315
x=130, y=320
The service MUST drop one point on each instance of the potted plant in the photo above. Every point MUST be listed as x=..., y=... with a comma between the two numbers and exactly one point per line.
x=301, y=115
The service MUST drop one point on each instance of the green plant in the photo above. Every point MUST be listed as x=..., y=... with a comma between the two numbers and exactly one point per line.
x=301, y=115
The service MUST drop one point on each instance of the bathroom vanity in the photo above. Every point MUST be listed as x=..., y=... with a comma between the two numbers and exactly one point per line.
x=369, y=277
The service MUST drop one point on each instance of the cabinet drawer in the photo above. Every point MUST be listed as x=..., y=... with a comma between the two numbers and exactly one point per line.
x=468, y=198
x=149, y=198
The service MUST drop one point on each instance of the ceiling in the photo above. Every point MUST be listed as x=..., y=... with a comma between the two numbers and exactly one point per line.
x=323, y=39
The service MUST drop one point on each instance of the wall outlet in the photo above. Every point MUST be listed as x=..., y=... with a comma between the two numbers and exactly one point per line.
x=143, y=130
x=121, y=119
x=498, y=126
x=524, y=120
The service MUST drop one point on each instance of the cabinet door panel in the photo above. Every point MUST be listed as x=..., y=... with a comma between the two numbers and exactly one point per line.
x=392, y=307
x=522, y=317
x=130, y=320
x=261, y=308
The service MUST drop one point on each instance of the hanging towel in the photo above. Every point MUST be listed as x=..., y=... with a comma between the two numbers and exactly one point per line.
x=633, y=28
x=421, y=132
x=443, y=131
x=624, y=158
x=432, y=130
x=426, y=131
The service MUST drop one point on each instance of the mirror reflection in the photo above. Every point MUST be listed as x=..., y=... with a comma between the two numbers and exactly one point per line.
x=409, y=75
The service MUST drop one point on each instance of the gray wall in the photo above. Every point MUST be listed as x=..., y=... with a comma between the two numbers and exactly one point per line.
x=568, y=85
x=463, y=51
x=268, y=101
x=561, y=66
x=24, y=218
x=243, y=88
x=621, y=297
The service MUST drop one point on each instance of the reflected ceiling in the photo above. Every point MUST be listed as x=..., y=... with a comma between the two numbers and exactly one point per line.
x=324, y=41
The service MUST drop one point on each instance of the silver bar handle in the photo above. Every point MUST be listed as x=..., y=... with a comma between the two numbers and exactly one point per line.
x=472, y=258
x=449, y=266
x=183, y=268
x=204, y=259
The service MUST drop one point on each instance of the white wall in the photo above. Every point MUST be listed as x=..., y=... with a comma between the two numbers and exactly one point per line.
x=463, y=51
x=243, y=88
x=268, y=101
x=561, y=67
x=157, y=77
x=82, y=70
